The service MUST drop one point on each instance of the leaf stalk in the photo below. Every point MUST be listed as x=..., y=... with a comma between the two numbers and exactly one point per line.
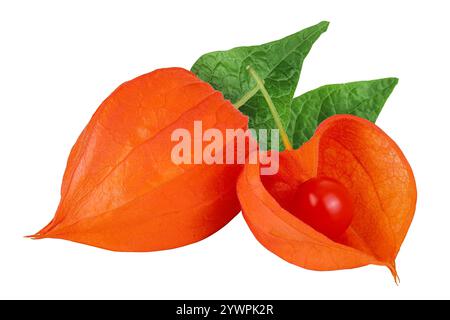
x=247, y=96
x=272, y=108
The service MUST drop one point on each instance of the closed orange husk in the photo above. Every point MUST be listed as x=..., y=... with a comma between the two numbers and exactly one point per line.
x=122, y=192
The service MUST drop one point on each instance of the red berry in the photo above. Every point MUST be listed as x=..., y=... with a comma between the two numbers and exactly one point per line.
x=325, y=204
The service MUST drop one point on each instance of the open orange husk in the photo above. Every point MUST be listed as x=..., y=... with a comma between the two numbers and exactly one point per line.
x=362, y=157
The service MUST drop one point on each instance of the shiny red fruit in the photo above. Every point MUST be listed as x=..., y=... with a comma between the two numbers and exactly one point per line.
x=324, y=204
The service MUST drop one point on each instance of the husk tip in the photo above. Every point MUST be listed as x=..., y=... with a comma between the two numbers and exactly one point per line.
x=35, y=236
x=392, y=268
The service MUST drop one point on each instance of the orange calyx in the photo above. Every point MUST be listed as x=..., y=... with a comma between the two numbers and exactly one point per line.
x=369, y=164
x=121, y=190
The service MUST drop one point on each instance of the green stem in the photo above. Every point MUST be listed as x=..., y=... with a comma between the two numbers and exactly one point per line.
x=272, y=108
x=243, y=100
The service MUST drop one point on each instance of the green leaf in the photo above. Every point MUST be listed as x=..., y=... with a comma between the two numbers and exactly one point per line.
x=364, y=99
x=279, y=63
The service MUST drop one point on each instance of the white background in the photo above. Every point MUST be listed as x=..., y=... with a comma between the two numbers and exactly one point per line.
x=59, y=60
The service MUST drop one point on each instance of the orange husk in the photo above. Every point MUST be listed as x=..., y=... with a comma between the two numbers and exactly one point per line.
x=122, y=192
x=363, y=158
